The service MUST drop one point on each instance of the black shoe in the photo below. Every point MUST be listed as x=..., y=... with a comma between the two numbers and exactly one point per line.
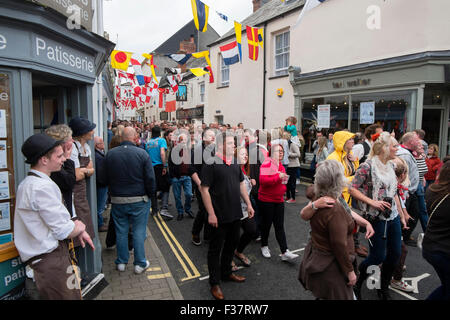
x=165, y=214
x=196, y=240
x=180, y=217
x=190, y=214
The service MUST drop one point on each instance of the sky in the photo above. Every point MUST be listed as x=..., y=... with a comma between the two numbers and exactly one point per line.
x=140, y=26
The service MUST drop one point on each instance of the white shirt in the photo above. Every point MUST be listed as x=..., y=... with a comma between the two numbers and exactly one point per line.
x=85, y=152
x=40, y=218
x=358, y=151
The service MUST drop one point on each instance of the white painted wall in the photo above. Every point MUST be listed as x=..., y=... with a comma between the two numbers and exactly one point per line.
x=336, y=34
x=242, y=100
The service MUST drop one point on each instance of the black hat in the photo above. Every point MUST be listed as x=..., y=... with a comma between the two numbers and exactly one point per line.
x=81, y=126
x=38, y=145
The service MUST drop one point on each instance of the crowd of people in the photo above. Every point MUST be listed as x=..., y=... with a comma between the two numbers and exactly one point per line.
x=241, y=179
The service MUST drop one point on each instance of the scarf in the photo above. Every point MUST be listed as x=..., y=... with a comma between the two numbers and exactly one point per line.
x=383, y=177
x=401, y=190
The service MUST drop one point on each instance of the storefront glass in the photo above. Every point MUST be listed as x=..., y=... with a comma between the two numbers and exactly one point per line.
x=390, y=110
x=338, y=116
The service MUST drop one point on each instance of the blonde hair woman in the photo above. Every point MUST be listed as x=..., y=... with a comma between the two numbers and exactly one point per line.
x=375, y=188
x=322, y=152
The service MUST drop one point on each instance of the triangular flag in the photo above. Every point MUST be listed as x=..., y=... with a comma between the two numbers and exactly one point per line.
x=138, y=71
x=152, y=66
x=180, y=58
x=198, y=72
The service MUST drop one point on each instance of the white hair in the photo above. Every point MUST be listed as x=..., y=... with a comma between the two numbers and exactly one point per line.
x=329, y=179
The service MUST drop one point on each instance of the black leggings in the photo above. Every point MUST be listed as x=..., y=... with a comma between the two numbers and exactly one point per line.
x=250, y=233
x=272, y=212
x=290, y=187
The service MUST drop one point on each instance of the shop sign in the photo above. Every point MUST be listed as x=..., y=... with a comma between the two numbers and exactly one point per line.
x=367, y=112
x=351, y=84
x=183, y=114
x=83, y=10
x=12, y=274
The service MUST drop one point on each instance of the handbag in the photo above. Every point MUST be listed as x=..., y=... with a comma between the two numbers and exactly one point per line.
x=421, y=236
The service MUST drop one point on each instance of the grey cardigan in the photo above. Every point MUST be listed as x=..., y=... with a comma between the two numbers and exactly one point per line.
x=294, y=156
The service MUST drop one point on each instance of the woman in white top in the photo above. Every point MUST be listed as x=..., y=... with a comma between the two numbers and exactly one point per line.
x=83, y=131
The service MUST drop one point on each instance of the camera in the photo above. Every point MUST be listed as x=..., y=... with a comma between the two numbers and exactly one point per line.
x=387, y=212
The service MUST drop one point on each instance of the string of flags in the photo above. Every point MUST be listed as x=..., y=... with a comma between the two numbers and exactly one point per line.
x=142, y=88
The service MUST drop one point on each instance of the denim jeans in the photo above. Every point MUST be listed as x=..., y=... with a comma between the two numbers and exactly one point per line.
x=423, y=215
x=135, y=214
x=441, y=263
x=386, y=251
x=186, y=183
x=102, y=196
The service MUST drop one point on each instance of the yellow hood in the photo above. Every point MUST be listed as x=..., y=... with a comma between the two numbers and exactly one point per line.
x=340, y=138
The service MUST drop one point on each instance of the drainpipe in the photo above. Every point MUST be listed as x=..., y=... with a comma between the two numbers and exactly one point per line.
x=264, y=79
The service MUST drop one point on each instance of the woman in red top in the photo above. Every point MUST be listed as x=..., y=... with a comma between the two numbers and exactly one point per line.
x=272, y=186
x=433, y=164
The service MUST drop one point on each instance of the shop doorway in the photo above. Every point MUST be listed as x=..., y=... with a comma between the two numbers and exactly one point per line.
x=432, y=123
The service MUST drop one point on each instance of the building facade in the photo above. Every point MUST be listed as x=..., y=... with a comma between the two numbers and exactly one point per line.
x=48, y=75
x=393, y=57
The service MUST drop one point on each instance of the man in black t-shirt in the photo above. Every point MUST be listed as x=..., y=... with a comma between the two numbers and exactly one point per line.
x=222, y=187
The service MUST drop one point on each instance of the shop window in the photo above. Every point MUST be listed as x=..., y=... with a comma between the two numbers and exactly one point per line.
x=339, y=106
x=432, y=96
x=282, y=53
x=390, y=110
x=45, y=108
x=202, y=92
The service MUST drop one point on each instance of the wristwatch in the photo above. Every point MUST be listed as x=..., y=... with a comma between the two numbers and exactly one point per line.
x=313, y=206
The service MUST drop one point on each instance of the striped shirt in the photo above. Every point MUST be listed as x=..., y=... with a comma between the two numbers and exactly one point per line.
x=422, y=167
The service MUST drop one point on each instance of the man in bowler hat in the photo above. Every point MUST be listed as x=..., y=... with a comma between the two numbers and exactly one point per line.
x=42, y=226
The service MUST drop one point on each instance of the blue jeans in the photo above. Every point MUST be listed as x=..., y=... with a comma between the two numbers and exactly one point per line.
x=186, y=183
x=136, y=214
x=386, y=251
x=102, y=196
x=423, y=215
x=441, y=263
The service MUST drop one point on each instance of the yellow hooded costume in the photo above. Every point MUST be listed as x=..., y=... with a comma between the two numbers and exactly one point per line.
x=339, y=154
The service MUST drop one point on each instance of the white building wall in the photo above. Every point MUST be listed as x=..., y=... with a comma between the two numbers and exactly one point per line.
x=242, y=100
x=336, y=33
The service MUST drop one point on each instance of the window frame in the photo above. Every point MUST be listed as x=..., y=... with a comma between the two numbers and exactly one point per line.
x=224, y=67
x=283, y=71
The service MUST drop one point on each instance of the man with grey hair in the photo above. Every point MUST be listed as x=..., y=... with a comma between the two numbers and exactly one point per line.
x=409, y=143
x=131, y=180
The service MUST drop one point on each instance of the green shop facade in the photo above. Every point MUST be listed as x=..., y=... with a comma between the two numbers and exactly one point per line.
x=408, y=92
x=47, y=73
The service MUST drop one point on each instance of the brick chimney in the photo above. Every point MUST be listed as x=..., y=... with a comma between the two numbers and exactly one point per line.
x=256, y=5
x=188, y=46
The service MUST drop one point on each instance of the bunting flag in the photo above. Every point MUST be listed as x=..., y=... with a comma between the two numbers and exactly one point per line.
x=252, y=39
x=171, y=106
x=261, y=37
x=224, y=17
x=211, y=76
x=238, y=31
x=230, y=53
x=173, y=83
x=198, y=72
x=138, y=71
x=310, y=4
x=152, y=66
x=201, y=13
x=205, y=54
x=161, y=92
x=180, y=58
x=120, y=59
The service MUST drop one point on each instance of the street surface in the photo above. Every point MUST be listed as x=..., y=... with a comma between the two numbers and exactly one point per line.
x=267, y=279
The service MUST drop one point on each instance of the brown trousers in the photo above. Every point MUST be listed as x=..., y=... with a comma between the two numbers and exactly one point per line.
x=55, y=276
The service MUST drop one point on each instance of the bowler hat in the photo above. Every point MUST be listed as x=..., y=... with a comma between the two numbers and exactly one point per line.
x=81, y=126
x=38, y=145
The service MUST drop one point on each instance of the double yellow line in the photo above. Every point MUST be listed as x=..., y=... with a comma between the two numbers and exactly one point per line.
x=172, y=241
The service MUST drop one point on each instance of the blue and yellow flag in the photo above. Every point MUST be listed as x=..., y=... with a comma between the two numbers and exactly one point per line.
x=238, y=30
x=201, y=13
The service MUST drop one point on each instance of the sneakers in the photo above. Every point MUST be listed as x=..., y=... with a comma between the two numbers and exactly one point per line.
x=265, y=252
x=401, y=285
x=258, y=239
x=420, y=240
x=138, y=269
x=291, y=201
x=196, y=240
x=165, y=213
x=121, y=267
x=288, y=256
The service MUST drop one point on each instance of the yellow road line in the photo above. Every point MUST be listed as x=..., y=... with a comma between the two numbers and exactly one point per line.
x=191, y=264
x=159, y=276
x=188, y=273
x=154, y=269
